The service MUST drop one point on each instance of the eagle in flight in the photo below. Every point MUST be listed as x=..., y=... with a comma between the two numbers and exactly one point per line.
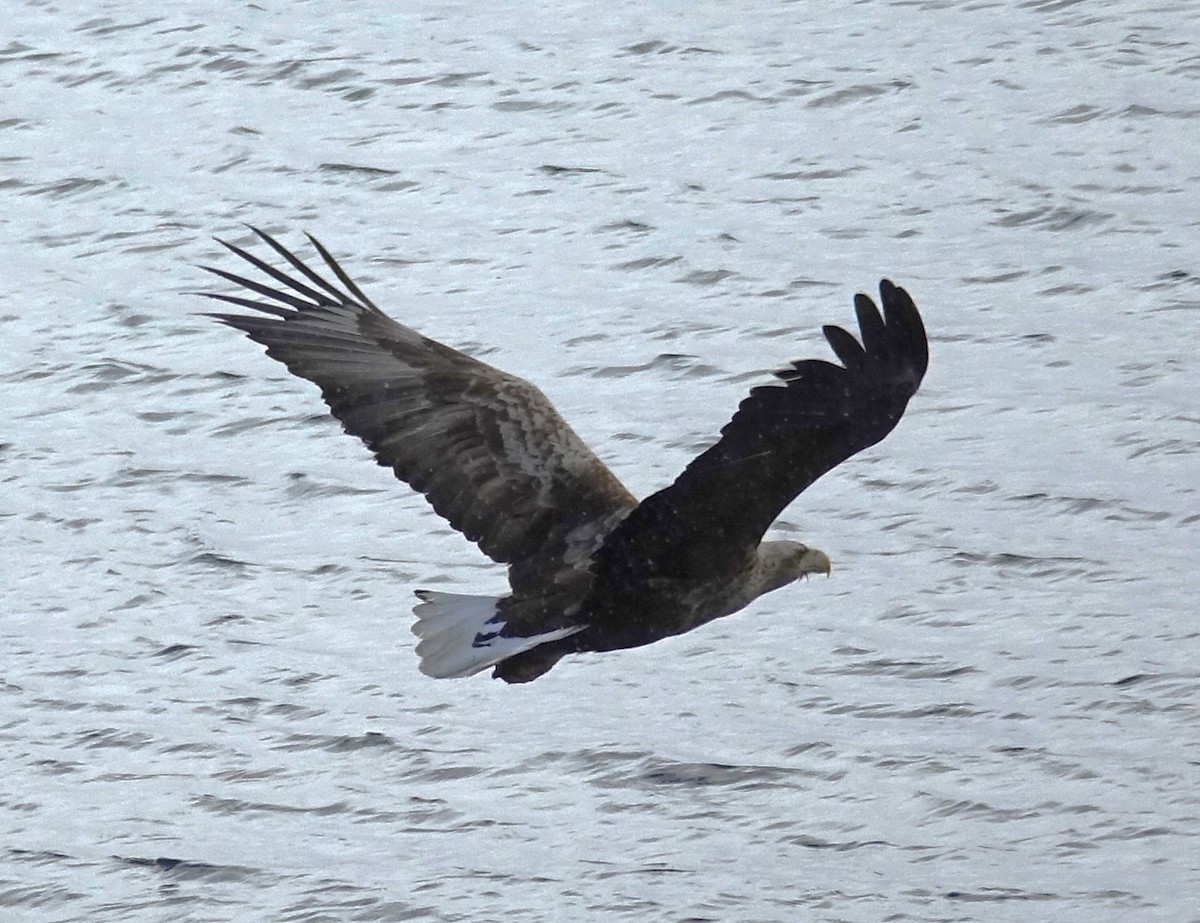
x=589, y=567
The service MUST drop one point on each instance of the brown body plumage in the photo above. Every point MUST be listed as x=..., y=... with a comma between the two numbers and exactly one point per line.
x=590, y=568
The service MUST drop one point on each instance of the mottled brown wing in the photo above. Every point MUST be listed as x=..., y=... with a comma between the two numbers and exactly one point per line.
x=486, y=448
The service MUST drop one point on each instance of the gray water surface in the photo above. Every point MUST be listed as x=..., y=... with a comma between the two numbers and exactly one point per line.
x=209, y=701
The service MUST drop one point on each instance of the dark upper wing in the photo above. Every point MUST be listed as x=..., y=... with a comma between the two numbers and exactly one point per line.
x=487, y=449
x=781, y=439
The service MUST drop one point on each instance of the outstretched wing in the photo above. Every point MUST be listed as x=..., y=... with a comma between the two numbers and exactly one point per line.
x=782, y=438
x=487, y=449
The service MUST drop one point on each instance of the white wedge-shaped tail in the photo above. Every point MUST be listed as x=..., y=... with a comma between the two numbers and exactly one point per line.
x=460, y=635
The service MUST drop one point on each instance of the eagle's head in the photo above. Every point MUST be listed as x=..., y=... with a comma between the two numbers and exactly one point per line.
x=784, y=562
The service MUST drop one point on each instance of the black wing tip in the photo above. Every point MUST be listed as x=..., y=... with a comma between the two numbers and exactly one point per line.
x=253, y=229
x=833, y=333
x=236, y=321
x=260, y=306
x=314, y=292
x=900, y=313
x=248, y=324
x=896, y=333
x=241, y=251
x=898, y=330
x=889, y=291
x=899, y=308
x=896, y=298
x=845, y=347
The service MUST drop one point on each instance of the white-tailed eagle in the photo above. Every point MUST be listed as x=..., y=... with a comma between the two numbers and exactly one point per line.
x=590, y=568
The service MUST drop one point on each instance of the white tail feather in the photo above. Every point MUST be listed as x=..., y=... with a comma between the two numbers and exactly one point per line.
x=460, y=635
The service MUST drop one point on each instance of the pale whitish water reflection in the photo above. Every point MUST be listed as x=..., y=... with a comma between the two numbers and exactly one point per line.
x=210, y=707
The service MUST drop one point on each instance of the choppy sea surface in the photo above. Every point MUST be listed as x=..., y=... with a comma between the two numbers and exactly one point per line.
x=209, y=704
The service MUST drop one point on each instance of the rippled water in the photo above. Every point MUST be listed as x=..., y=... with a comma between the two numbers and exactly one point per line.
x=210, y=704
